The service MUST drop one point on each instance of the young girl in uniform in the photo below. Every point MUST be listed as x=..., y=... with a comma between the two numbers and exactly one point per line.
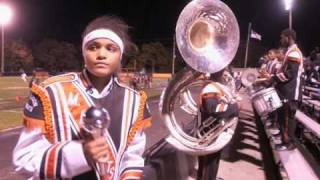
x=52, y=145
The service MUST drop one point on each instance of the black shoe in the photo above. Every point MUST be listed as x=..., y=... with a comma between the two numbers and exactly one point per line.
x=277, y=135
x=285, y=147
x=280, y=147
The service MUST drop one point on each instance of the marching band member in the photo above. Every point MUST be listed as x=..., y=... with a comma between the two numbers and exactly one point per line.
x=52, y=145
x=273, y=65
x=214, y=103
x=266, y=61
x=263, y=61
x=288, y=85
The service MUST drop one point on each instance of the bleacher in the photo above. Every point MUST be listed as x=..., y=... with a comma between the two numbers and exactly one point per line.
x=302, y=162
x=293, y=164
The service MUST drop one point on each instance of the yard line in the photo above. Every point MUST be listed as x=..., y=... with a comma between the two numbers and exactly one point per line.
x=12, y=111
x=15, y=87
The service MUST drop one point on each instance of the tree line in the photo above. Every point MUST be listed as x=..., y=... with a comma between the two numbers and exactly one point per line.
x=60, y=56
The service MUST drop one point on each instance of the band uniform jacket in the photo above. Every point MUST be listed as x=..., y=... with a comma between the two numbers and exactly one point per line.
x=214, y=102
x=289, y=76
x=50, y=145
x=273, y=66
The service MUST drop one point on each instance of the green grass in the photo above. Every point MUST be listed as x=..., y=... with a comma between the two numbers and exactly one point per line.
x=10, y=109
x=12, y=81
x=10, y=119
x=10, y=87
x=10, y=94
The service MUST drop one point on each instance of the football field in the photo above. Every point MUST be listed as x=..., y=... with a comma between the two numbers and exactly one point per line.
x=14, y=93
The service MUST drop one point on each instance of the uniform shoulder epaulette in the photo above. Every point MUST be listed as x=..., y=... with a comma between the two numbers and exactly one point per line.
x=69, y=77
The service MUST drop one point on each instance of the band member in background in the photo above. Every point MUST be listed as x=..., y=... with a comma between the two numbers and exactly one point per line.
x=237, y=77
x=52, y=145
x=288, y=84
x=214, y=103
x=273, y=64
x=23, y=75
x=263, y=61
x=281, y=54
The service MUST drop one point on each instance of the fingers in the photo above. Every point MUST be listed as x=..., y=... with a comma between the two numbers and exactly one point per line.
x=96, y=150
x=101, y=156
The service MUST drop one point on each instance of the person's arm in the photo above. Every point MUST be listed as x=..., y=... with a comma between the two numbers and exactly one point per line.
x=231, y=111
x=36, y=156
x=292, y=67
x=216, y=107
x=132, y=163
x=288, y=74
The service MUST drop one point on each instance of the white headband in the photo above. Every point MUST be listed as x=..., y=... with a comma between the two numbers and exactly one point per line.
x=103, y=33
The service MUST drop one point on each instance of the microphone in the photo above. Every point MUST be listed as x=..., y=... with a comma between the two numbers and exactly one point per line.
x=96, y=121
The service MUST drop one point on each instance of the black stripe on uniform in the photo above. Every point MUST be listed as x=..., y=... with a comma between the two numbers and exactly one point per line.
x=131, y=119
x=75, y=135
x=42, y=172
x=59, y=161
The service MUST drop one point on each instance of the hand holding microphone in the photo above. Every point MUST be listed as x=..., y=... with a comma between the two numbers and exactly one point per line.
x=96, y=121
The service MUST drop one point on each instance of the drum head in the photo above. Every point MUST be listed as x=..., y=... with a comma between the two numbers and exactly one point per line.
x=249, y=76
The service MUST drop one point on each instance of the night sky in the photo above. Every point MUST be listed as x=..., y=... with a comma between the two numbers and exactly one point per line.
x=153, y=20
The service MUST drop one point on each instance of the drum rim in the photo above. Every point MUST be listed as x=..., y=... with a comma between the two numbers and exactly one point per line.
x=264, y=91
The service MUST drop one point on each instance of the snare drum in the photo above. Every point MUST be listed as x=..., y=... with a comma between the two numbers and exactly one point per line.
x=266, y=101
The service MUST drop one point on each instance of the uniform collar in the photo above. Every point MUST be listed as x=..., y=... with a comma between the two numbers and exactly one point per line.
x=93, y=91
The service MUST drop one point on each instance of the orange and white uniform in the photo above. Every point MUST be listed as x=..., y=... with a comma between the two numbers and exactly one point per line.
x=50, y=144
x=273, y=66
x=214, y=101
x=289, y=76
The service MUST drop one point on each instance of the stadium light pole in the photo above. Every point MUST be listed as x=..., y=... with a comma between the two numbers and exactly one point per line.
x=5, y=17
x=288, y=7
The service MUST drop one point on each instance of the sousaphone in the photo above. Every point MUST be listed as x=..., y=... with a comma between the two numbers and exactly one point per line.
x=207, y=36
